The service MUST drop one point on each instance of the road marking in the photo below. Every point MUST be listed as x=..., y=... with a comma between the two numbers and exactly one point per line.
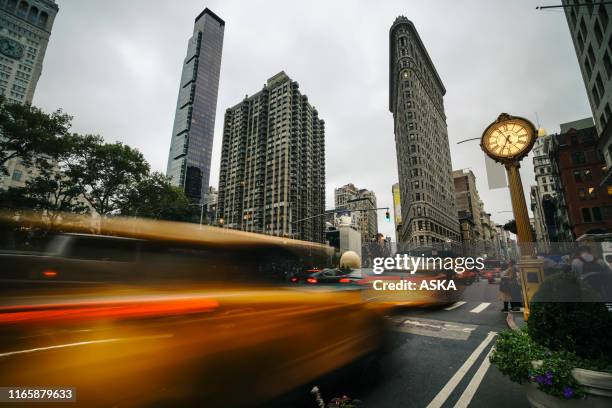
x=84, y=343
x=480, y=307
x=455, y=305
x=436, y=328
x=445, y=392
x=472, y=387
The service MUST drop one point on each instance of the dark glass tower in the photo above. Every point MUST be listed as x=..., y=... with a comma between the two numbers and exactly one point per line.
x=194, y=121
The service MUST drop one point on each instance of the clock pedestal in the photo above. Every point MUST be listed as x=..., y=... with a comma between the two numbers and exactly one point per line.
x=508, y=140
x=531, y=268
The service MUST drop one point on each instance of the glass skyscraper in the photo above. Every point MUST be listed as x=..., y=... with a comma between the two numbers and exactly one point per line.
x=194, y=121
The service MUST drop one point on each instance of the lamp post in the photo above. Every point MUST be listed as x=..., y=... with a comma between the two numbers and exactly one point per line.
x=507, y=141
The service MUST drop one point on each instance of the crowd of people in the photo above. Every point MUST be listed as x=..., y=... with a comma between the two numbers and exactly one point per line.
x=590, y=269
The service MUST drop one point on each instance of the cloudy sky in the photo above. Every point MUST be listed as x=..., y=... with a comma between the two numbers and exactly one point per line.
x=115, y=66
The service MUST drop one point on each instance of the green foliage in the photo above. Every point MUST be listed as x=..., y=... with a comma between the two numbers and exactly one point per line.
x=514, y=354
x=106, y=173
x=155, y=197
x=577, y=324
x=30, y=134
x=560, y=335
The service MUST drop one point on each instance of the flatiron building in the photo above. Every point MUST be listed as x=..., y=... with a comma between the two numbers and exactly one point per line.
x=429, y=214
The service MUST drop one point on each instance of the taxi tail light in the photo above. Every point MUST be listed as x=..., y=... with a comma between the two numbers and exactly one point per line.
x=345, y=280
x=311, y=280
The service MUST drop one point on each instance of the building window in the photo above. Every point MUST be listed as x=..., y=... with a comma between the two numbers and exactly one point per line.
x=577, y=176
x=580, y=43
x=598, y=34
x=17, y=175
x=591, y=56
x=23, y=9
x=581, y=194
x=596, y=213
x=592, y=192
x=595, y=94
x=599, y=84
x=608, y=65
x=603, y=15
x=588, y=175
x=586, y=215
x=574, y=140
x=578, y=158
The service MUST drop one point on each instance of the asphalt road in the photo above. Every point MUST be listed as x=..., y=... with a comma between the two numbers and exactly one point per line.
x=439, y=357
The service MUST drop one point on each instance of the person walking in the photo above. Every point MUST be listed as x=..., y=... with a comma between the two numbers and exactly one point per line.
x=505, y=286
x=594, y=272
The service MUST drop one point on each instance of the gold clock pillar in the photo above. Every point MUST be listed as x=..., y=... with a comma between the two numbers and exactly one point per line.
x=519, y=206
x=508, y=140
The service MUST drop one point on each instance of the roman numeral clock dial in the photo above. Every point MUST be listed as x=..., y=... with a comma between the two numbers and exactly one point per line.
x=508, y=139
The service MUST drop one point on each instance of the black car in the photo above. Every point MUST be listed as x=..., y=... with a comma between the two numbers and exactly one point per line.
x=329, y=275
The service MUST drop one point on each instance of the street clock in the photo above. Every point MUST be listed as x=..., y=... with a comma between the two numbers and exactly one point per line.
x=508, y=139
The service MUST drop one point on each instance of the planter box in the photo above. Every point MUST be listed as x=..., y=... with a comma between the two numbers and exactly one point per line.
x=539, y=399
x=597, y=385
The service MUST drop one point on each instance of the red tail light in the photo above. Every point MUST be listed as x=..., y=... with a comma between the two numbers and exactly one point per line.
x=49, y=274
x=311, y=280
x=293, y=279
x=345, y=280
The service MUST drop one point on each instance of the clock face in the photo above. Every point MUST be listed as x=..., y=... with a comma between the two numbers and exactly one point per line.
x=508, y=139
x=11, y=48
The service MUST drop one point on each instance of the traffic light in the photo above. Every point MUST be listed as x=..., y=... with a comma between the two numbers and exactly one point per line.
x=388, y=216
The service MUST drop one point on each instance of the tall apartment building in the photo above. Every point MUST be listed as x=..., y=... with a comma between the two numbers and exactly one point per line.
x=429, y=214
x=25, y=28
x=272, y=177
x=468, y=210
x=590, y=25
x=363, y=203
x=194, y=120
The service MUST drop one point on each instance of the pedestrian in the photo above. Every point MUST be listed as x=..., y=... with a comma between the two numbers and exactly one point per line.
x=505, y=286
x=593, y=271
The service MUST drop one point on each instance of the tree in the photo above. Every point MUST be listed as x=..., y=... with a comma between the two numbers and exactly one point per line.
x=106, y=173
x=30, y=134
x=53, y=193
x=155, y=197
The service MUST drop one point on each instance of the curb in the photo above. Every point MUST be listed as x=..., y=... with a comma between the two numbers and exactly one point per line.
x=510, y=321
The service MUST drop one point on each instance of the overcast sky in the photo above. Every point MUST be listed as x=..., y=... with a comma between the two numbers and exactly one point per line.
x=115, y=66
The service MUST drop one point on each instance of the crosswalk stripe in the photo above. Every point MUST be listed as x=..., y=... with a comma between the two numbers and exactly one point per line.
x=480, y=307
x=472, y=387
x=445, y=392
x=455, y=305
